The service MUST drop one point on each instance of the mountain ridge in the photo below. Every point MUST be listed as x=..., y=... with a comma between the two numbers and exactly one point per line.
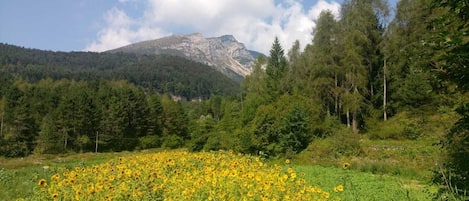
x=224, y=53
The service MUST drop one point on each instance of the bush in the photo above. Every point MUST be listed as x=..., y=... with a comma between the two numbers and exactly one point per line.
x=455, y=175
x=346, y=143
x=15, y=149
x=149, y=141
x=287, y=125
x=402, y=126
x=173, y=142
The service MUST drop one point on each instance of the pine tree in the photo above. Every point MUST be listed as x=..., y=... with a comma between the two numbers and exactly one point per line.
x=360, y=34
x=275, y=70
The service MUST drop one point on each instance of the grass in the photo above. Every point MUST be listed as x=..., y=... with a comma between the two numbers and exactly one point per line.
x=411, y=159
x=366, y=186
x=18, y=177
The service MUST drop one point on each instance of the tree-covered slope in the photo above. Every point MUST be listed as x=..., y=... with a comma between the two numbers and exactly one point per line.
x=163, y=73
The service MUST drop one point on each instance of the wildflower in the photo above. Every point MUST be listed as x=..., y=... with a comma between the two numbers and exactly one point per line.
x=339, y=188
x=287, y=161
x=346, y=166
x=42, y=183
x=55, y=196
x=325, y=195
x=55, y=177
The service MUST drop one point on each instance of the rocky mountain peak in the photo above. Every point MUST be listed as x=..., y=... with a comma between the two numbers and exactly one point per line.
x=223, y=53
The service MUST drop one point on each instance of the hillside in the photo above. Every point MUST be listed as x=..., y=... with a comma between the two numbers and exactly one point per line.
x=223, y=53
x=163, y=73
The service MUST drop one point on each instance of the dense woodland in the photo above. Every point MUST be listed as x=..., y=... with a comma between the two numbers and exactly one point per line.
x=162, y=73
x=366, y=73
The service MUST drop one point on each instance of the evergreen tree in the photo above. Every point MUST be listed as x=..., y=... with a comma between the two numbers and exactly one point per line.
x=453, y=41
x=408, y=56
x=275, y=70
x=324, y=56
x=361, y=30
x=175, y=123
x=255, y=92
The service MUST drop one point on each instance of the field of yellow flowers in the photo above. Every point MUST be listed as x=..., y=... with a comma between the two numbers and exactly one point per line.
x=181, y=175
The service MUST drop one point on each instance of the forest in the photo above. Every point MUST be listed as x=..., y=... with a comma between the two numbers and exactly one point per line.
x=162, y=73
x=369, y=73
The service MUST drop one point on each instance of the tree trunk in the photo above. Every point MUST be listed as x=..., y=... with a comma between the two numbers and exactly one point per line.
x=385, y=116
x=96, y=148
x=1, y=125
x=348, y=118
x=336, y=96
x=65, y=141
x=354, y=122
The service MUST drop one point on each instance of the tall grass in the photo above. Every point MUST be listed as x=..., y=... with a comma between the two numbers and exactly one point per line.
x=366, y=186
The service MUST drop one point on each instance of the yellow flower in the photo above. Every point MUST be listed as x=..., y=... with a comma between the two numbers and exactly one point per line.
x=287, y=161
x=346, y=166
x=55, y=177
x=339, y=188
x=55, y=196
x=42, y=183
x=250, y=194
x=325, y=195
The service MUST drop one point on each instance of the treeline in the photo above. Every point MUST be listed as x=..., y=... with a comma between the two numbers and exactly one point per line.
x=163, y=73
x=75, y=116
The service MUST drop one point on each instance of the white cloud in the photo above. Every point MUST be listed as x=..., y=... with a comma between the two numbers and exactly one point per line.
x=255, y=23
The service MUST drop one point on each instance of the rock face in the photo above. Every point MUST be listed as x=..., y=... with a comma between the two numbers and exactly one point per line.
x=224, y=53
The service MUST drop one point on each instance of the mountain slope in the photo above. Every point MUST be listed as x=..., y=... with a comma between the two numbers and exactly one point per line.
x=224, y=53
x=163, y=73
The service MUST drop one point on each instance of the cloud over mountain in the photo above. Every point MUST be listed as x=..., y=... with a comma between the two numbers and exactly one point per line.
x=254, y=23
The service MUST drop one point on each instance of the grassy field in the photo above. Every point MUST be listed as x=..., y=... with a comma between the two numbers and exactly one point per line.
x=367, y=186
x=19, y=177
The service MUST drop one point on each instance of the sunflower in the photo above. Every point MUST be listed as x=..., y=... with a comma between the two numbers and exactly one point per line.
x=55, y=177
x=287, y=161
x=325, y=195
x=339, y=188
x=346, y=166
x=42, y=183
x=55, y=196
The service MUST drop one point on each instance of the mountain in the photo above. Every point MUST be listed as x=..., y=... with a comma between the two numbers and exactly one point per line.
x=223, y=53
x=163, y=73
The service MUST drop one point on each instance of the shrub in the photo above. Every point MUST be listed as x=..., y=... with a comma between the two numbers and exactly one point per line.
x=172, y=142
x=149, y=141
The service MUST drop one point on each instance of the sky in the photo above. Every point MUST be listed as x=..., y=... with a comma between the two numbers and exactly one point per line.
x=100, y=25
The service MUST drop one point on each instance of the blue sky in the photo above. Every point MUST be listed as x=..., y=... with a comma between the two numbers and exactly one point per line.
x=99, y=25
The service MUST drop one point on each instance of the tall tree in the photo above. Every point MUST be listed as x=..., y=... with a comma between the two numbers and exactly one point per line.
x=453, y=41
x=254, y=90
x=324, y=63
x=155, y=122
x=175, y=122
x=408, y=56
x=361, y=30
x=275, y=70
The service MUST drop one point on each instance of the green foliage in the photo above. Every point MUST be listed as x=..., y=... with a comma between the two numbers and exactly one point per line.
x=149, y=141
x=275, y=71
x=175, y=119
x=285, y=126
x=399, y=127
x=47, y=139
x=164, y=73
x=452, y=39
x=172, y=142
x=456, y=145
x=365, y=186
x=346, y=143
